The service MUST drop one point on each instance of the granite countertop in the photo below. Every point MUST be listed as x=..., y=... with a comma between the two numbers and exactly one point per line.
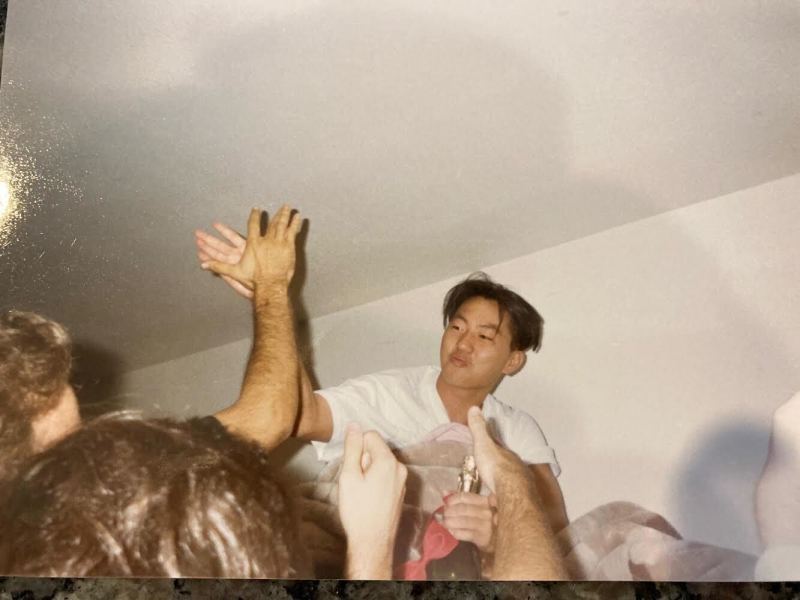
x=13, y=588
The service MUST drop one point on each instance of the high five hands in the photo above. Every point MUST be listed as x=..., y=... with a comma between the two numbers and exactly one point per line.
x=247, y=262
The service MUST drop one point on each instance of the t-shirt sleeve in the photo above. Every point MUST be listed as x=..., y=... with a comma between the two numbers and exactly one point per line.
x=367, y=400
x=521, y=433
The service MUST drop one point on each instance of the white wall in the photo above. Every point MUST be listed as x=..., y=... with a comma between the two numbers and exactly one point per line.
x=668, y=344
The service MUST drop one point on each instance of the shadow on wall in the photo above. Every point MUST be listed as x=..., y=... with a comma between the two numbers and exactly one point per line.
x=715, y=492
x=96, y=377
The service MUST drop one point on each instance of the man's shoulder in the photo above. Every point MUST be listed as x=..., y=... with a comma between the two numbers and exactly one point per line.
x=411, y=376
x=393, y=381
x=508, y=414
x=498, y=406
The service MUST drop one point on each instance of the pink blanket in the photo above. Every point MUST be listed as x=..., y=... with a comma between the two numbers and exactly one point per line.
x=616, y=541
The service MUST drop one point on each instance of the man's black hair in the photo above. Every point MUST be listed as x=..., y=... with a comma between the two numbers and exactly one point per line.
x=526, y=323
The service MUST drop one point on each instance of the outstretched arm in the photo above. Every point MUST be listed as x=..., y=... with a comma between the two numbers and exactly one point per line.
x=268, y=403
x=525, y=547
x=314, y=420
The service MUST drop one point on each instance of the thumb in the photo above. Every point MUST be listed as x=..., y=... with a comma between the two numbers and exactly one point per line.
x=220, y=268
x=353, y=448
x=477, y=427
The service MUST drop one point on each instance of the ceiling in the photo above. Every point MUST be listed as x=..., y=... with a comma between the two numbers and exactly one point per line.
x=421, y=140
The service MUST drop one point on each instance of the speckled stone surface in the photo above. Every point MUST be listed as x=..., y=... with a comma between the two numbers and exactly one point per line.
x=12, y=588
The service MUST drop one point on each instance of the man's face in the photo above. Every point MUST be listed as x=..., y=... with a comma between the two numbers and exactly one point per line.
x=476, y=347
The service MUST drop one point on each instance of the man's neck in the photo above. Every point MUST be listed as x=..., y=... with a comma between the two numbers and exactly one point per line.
x=457, y=401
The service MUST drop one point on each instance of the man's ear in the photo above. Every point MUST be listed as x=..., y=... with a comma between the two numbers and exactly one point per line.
x=515, y=363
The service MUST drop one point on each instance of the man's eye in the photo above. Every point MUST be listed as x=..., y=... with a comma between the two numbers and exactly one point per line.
x=485, y=337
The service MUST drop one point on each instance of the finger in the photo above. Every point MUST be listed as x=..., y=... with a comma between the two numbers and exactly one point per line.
x=254, y=224
x=232, y=236
x=353, y=448
x=294, y=226
x=477, y=426
x=237, y=286
x=466, y=522
x=482, y=513
x=468, y=498
x=212, y=253
x=462, y=535
x=280, y=222
x=374, y=444
x=218, y=251
x=220, y=268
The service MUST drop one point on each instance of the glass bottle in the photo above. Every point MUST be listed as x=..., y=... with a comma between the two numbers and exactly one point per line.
x=464, y=562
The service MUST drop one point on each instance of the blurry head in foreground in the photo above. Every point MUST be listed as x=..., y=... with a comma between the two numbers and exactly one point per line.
x=124, y=496
x=37, y=404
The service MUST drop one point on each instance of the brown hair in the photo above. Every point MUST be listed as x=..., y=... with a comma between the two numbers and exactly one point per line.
x=125, y=496
x=35, y=361
x=526, y=323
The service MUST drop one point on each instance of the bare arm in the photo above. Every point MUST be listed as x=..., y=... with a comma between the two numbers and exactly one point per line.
x=551, y=496
x=268, y=402
x=313, y=416
x=525, y=546
x=314, y=419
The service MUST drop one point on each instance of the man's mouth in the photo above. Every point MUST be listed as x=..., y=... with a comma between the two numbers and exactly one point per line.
x=458, y=361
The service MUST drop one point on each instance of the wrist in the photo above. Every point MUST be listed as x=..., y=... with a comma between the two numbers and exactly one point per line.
x=366, y=561
x=270, y=289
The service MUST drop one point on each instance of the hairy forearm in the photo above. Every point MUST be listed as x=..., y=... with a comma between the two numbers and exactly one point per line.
x=369, y=562
x=268, y=402
x=526, y=548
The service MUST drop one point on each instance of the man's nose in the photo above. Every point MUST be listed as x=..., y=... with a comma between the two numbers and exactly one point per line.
x=464, y=342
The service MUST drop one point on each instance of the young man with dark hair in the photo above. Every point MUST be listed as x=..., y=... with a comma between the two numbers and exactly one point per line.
x=488, y=329
x=37, y=403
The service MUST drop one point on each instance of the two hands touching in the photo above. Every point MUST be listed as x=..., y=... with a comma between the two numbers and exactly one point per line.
x=263, y=267
x=246, y=262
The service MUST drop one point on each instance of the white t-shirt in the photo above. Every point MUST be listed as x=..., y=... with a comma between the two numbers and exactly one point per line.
x=404, y=406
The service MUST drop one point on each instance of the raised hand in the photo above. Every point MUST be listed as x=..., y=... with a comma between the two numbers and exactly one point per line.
x=265, y=259
x=210, y=248
x=493, y=461
x=371, y=490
